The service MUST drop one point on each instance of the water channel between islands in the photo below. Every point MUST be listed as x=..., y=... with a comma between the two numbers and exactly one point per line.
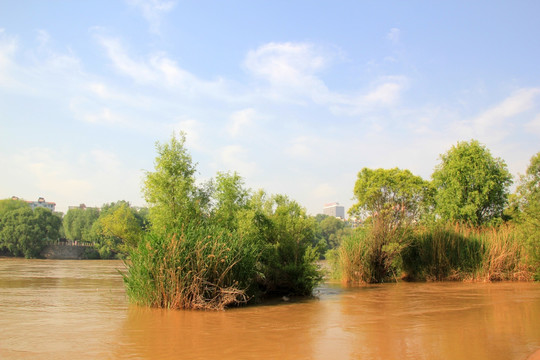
x=63, y=309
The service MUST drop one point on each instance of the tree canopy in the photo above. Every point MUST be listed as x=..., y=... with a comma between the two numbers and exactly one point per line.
x=393, y=191
x=170, y=190
x=24, y=232
x=471, y=185
x=528, y=198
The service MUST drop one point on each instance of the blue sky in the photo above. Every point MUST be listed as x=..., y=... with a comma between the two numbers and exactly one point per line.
x=296, y=96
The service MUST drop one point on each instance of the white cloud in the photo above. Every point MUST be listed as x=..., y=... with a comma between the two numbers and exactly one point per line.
x=496, y=123
x=240, y=120
x=290, y=69
x=192, y=128
x=68, y=178
x=234, y=159
x=50, y=173
x=8, y=48
x=301, y=147
x=289, y=64
x=43, y=38
x=138, y=71
x=534, y=125
x=393, y=35
x=325, y=192
x=160, y=71
x=383, y=94
x=153, y=11
x=106, y=116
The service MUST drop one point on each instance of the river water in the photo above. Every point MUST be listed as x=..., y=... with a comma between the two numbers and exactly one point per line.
x=78, y=310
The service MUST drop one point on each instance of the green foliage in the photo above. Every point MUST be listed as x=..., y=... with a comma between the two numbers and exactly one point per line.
x=78, y=224
x=170, y=190
x=393, y=199
x=372, y=254
x=214, y=246
x=471, y=185
x=289, y=258
x=331, y=231
x=8, y=205
x=395, y=192
x=528, y=207
x=444, y=252
x=24, y=232
x=117, y=229
x=287, y=238
x=201, y=267
x=229, y=198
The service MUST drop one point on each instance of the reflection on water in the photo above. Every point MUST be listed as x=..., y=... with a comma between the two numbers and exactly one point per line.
x=78, y=309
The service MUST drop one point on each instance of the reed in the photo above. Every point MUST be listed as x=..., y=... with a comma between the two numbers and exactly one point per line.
x=373, y=254
x=461, y=252
x=201, y=267
x=437, y=253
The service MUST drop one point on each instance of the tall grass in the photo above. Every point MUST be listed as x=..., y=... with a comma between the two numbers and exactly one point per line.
x=373, y=254
x=202, y=267
x=460, y=252
x=436, y=253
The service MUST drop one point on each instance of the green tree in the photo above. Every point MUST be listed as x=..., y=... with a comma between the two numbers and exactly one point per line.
x=528, y=202
x=287, y=235
x=8, y=205
x=392, y=199
x=78, y=224
x=331, y=231
x=117, y=228
x=170, y=190
x=229, y=198
x=397, y=194
x=471, y=185
x=24, y=232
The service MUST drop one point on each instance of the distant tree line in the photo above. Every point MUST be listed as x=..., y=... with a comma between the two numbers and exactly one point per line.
x=112, y=229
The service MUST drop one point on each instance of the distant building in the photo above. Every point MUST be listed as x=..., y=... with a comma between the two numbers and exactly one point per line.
x=42, y=203
x=334, y=209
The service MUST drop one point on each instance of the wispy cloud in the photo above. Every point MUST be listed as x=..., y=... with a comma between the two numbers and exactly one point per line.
x=240, y=120
x=394, y=35
x=235, y=158
x=534, y=125
x=497, y=122
x=153, y=11
x=290, y=68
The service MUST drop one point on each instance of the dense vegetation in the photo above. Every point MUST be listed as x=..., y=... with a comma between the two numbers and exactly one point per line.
x=24, y=232
x=217, y=244
x=459, y=226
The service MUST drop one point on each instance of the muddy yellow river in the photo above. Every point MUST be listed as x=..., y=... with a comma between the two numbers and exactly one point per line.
x=78, y=310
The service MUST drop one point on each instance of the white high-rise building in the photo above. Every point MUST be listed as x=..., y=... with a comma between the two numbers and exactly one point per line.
x=334, y=209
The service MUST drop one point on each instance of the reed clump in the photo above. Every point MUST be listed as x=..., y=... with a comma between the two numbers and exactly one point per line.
x=466, y=253
x=201, y=267
x=445, y=252
x=373, y=254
